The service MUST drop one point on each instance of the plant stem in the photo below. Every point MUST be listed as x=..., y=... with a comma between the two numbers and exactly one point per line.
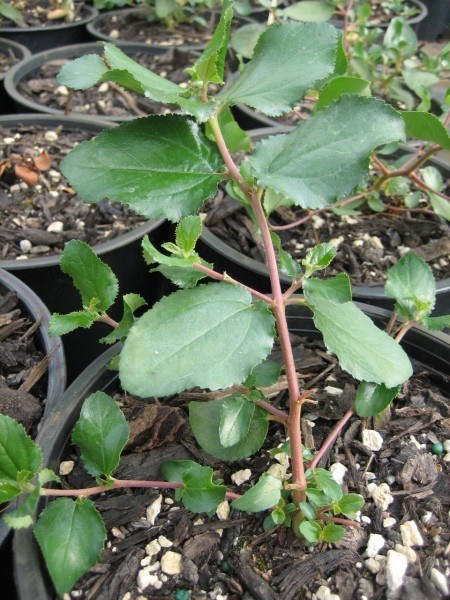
x=224, y=277
x=106, y=319
x=407, y=170
x=341, y=521
x=278, y=307
x=422, y=185
x=331, y=438
x=404, y=330
x=282, y=416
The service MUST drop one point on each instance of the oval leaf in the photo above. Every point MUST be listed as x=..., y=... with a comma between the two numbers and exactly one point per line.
x=210, y=336
x=18, y=452
x=124, y=163
x=371, y=399
x=235, y=417
x=265, y=494
x=71, y=535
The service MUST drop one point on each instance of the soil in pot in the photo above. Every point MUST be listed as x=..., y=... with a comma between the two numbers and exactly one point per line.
x=8, y=58
x=157, y=549
x=35, y=14
x=23, y=366
x=37, y=220
x=383, y=11
x=109, y=99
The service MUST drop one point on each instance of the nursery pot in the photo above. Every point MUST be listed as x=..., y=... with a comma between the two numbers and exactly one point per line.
x=38, y=39
x=35, y=309
x=20, y=52
x=430, y=349
x=123, y=254
x=249, y=271
x=22, y=71
x=437, y=21
x=413, y=21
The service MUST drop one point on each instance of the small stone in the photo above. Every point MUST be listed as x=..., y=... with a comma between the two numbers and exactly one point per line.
x=366, y=520
x=117, y=533
x=369, y=476
x=337, y=241
x=168, y=501
x=408, y=552
x=277, y=471
x=24, y=257
x=402, y=250
x=437, y=448
x=51, y=136
x=426, y=517
x=146, y=579
x=373, y=565
x=171, y=563
x=56, y=227
x=39, y=249
x=381, y=495
x=25, y=246
x=241, y=476
x=152, y=548
x=396, y=566
x=104, y=87
x=377, y=242
x=375, y=544
x=317, y=221
x=8, y=140
x=333, y=391
x=146, y=561
x=358, y=243
x=372, y=439
x=114, y=34
x=164, y=542
x=323, y=593
x=446, y=458
x=447, y=445
x=53, y=194
x=55, y=175
x=62, y=90
x=440, y=582
x=411, y=535
x=338, y=471
x=389, y=522
x=153, y=510
x=66, y=467
x=223, y=510
x=390, y=479
x=350, y=220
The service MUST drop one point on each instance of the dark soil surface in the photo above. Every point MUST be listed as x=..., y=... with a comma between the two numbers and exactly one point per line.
x=383, y=11
x=23, y=367
x=35, y=15
x=134, y=27
x=107, y=99
x=8, y=59
x=38, y=220
x=368, y=243
x=231, y=556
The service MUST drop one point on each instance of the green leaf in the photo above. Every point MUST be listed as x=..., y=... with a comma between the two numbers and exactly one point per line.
x=318, y=163
x=317, y=497
x=398, y=186
x=273, y=200
x=411, y=283
x=101, y=434
x=22, y=516
x=265, y=494
x=244, y=39
x=287, y=264
x=61, y=324
x=265, y=374
x=341, y=57
x=236, y=414
x=332, y=533
x=124, y=163
x=319, y=257
x=210, y=66
x=310, y=11
x=427, y=127
x=401, y=36
x=131, y=302
x=339, y=86
x=287, y=61
x=71, y=535
x=278, y=516
x=93, y=278
x=311, y=530
x=199, y=494
x=434, y=180
x=327, y=484
x=375, y=203
x=204, y=418
x=9, y=490
x=349, y=505
x=188, y=231
x=308, y=510
x=371, y=398
x=440, y=205
x=19, y=455
x=46, y=475
x=10, y=13
x=82, y=73
x=436, y=323
x=363, y=350
x=164, y=354
x=235, y=138
x=337, y=289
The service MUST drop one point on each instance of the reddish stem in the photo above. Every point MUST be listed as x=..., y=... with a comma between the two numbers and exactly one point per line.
x=106, y=319
x=282, y=416
x=341, y=521
x=331, y=438
x=224, y=277
x=419, y=183
x=404, y=330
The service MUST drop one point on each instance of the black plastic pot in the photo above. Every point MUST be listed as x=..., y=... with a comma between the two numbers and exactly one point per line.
x=431, y=349
x=140, y=14
x=36, y=310
x=21, y=52
x=255, y=274
x=437, y=21
x=123, y=254
x=38, y=39
x=35, y=62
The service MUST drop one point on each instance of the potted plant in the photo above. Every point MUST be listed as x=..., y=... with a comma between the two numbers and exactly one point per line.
x=40, y=25
x=117, y=233
x=10, y=54
x=218, y=335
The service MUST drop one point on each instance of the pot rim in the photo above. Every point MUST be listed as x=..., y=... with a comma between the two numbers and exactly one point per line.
x=92, y=13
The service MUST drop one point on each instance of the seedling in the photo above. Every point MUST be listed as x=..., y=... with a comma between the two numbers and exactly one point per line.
x=218, y=335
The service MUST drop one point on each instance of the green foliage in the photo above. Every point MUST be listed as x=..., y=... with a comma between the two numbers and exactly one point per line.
x=287, y=264
x=348, y=505
x=426, y=127
x=71, y=535
x=131, y=303
x=101, y=434
x=244, y=40
x=264, y=374
x=199, y=494
x=10, y=12
x=309, y=11
x=265, y=494
x=205, y=419
x=371, y=398
x=318, y=258
x=236, y=414
x=339, y=86
x=310, y=165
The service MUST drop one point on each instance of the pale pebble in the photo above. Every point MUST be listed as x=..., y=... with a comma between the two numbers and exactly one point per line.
x=372, y=440
x=164, y=542
x=381, y=495
x=241, y=476
x=396, y=566
x=152, y=548
x=389, y=522
x=223, y=510
x=25, y=246
x=56, y=227
x=411, y=535
x=338, y=471
x=153, y=510
x=66, y=467
x=440, y=582
x=171, y=563
x=375, y=544
x=408, y=552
